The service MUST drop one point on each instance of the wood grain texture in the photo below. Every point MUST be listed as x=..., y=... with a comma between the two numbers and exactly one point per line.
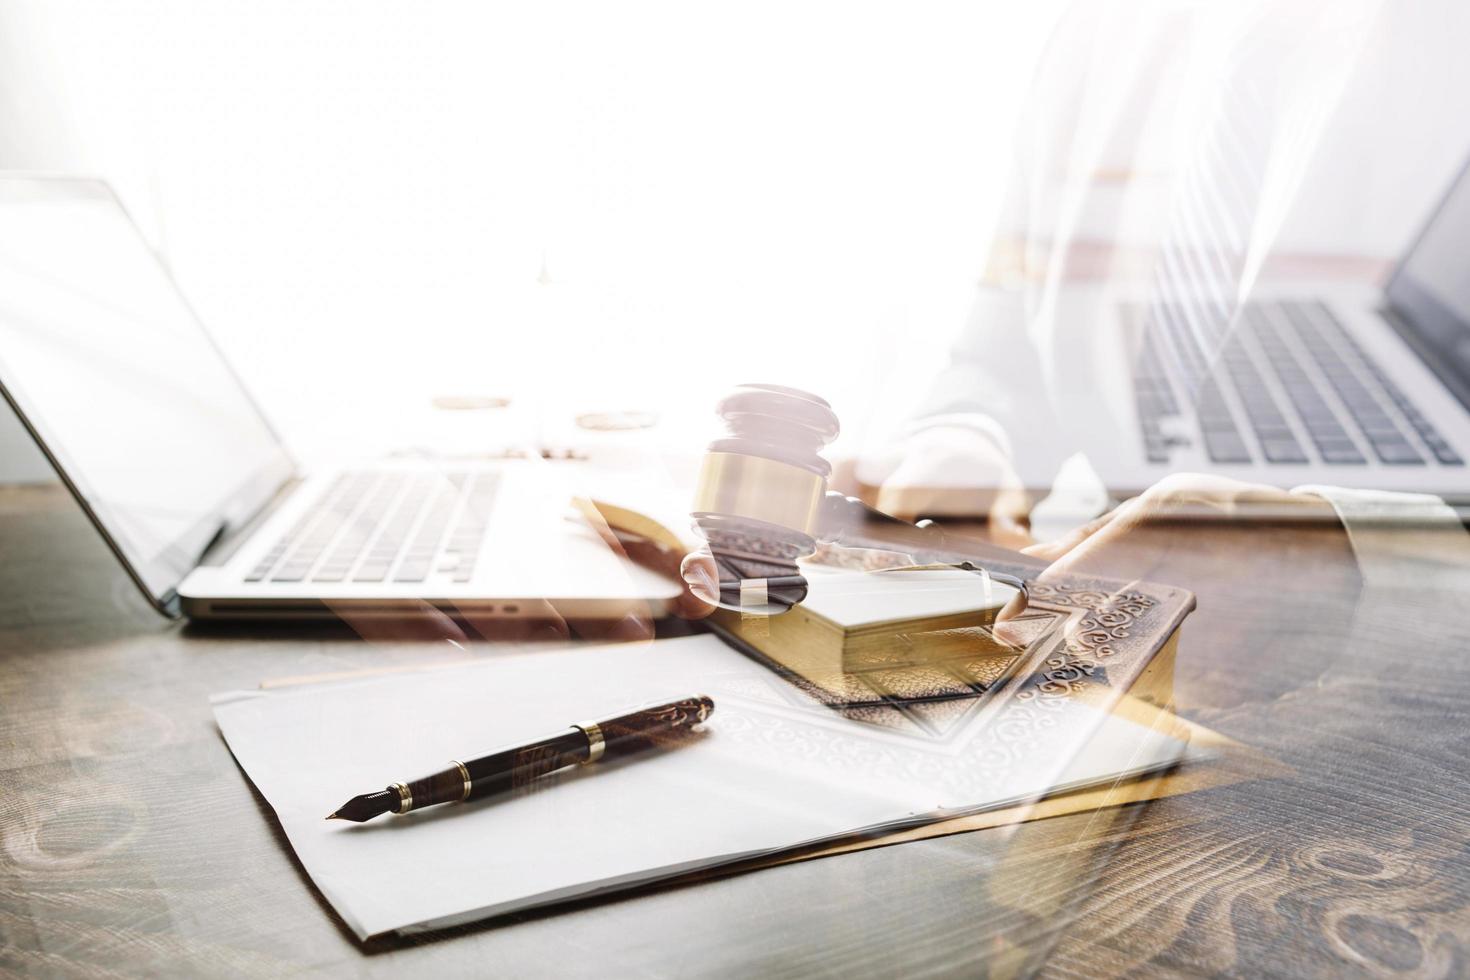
x=131, y=844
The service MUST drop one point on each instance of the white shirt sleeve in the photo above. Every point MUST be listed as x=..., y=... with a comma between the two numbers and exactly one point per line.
x=1402, y=540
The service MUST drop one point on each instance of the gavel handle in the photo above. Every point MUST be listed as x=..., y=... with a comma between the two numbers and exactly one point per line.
x=849, y=522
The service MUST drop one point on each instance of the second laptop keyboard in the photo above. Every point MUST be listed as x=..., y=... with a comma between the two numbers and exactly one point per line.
x=1304, y=387
x=386, y=526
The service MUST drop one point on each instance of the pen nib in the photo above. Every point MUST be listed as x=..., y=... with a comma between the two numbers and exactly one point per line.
x=365, y=807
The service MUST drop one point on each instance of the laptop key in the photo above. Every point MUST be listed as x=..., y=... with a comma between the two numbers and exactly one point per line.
x=1447, y=456
x=1379, y=426
x=1396, y=452
x=1442, y=450
x=1340, y=451
x=1226, y=447
x=412, y=571
x=372, y=571
x=1283, y=451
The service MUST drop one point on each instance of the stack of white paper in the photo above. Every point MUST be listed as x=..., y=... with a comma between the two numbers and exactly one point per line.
x=771, y=771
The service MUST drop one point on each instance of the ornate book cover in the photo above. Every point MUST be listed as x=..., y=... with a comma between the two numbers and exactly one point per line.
x=1082, y=638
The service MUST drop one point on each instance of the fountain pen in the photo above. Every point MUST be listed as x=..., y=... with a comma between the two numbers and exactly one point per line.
x=515, y=767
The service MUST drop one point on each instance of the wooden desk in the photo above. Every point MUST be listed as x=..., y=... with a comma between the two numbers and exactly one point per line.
x=130, y=843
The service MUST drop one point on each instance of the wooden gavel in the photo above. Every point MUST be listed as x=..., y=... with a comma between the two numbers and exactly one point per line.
x=762, y=503
x=761, y=490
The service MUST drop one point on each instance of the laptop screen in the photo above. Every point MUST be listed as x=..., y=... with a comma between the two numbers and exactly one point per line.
x=1431, y=287
x=127, y=393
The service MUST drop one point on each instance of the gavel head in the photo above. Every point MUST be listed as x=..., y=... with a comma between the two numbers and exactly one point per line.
x=759, y=493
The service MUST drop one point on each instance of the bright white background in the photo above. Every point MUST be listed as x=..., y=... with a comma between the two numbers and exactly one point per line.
x=587, y=205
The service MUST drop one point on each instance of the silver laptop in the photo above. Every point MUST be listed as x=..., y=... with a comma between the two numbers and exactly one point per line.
x=1330, y=383
x=148, y=425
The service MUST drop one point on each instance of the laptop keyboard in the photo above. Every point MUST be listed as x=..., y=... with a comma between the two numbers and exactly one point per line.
x=385, y=526
x=1324, y=429
x=1292, y=387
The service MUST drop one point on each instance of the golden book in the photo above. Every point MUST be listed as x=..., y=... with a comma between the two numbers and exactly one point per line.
x=924, y=665
x=856, y=628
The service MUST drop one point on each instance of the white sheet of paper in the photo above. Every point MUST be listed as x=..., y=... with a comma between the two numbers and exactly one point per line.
x=853, y=599
x=771, y=771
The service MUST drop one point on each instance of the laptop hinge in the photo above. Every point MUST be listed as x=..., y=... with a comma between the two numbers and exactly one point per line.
x=223, y=549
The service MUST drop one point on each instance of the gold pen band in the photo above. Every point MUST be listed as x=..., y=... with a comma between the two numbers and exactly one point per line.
x=595, y=744
x=465, y=775
x=405, y=797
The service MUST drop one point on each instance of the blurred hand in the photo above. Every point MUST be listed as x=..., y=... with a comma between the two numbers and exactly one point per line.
x=419, y=621
x=541, y=619
x=1166, y=535
x=1115, y=543
x=956, y=470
